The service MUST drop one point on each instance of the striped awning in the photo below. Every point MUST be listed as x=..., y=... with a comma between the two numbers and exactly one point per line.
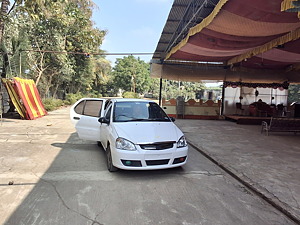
x=291, y=6
x=248, y=34
x=253, y=30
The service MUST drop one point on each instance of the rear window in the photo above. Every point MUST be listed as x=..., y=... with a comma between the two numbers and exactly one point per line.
x=89, y=108
x=79, y=108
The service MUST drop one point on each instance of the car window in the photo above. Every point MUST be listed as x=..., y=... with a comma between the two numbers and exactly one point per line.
x=89, y=108
x=138, y=111
x=79, y=108
x=155, y=112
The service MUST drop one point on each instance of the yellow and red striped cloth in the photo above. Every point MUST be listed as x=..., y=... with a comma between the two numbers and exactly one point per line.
x=25, y=97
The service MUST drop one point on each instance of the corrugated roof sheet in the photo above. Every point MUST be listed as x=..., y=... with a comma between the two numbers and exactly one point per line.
x=184, y=14
x=248, y=35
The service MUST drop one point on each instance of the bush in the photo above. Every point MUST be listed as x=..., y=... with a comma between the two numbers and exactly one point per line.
x=94, y=94
x=130, y=95
x=72, y=98
x=51, y=104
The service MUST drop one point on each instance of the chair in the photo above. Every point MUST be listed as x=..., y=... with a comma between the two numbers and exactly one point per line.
x=263, y=109
x=239, y=108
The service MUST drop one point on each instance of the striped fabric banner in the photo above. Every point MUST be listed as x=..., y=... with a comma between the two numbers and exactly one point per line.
x=26, y=98
x=31, y=99
x=14, y=97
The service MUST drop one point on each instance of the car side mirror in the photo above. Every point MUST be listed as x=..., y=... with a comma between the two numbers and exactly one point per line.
x=173, y=119
x=103, y=120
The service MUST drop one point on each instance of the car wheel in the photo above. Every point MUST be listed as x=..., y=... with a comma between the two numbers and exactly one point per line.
x=110, y=166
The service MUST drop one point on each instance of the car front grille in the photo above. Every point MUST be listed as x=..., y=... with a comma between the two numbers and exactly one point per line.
x=157, y=162
x=158, y=145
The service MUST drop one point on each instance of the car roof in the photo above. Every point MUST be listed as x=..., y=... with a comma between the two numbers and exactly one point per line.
x=115, y=99
x=131, y=100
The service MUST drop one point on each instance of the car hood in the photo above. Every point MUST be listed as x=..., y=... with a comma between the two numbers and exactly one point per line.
x=148, y=132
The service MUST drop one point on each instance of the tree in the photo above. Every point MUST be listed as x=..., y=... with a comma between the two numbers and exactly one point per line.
x=59, y=27
x=173, y=89
x=102, y=69
x=4, y=15
x=131, y=74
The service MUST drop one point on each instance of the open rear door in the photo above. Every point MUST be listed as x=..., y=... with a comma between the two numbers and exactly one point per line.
x=84, y=114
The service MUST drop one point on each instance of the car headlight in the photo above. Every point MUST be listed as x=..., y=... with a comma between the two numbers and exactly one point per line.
x=124, y=144
x=181, y=142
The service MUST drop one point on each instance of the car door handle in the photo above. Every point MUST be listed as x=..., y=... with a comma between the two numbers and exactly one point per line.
x=76, y=118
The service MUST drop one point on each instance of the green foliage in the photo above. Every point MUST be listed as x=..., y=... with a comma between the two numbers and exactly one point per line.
x=72, y=98
x=132, y=75
x=59, y=26
x=103, y=81
x=51, y=104
x=64, y=26
x=93, y=94
x=294, y=93
x=130, y=95
x=173, y=89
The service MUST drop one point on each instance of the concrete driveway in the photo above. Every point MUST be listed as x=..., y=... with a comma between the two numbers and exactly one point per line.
x=269, y=165
x=49, y=176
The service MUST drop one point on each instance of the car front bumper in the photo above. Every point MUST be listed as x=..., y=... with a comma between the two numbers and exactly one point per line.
x=149, y=159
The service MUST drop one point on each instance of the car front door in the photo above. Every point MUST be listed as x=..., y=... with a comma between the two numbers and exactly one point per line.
x=104, y=129
x=84, y=115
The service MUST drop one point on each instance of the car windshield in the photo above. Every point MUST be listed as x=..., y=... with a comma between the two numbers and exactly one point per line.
x=138, y=111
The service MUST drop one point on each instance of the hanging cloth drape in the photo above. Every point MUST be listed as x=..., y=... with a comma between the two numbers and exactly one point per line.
x=25, y=97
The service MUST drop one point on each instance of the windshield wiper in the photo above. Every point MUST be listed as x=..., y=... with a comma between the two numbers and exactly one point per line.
x=135, y=119
x=150, y=119
x=159, y=119
x=122, y=121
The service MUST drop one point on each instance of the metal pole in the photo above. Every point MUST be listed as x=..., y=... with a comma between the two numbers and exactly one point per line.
x=223, y=99
x=271, y=96
x=160, y=87
x=20, y=64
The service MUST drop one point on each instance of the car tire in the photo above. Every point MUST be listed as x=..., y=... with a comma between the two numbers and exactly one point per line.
x=109, y=163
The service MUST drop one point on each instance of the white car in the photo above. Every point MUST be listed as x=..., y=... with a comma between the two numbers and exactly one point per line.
x=135, y=133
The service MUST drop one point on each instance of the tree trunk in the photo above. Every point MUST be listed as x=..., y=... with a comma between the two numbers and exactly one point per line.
x=54, y=95
x=4, y=9
x=47, y=88
x=41, y=70
x=3, y=13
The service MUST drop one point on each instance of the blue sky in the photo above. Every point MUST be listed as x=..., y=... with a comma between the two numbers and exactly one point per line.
x=134, y=26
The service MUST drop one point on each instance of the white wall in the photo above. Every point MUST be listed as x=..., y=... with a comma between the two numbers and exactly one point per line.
x=265, y=94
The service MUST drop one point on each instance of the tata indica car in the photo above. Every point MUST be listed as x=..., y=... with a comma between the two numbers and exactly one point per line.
x=136, y=134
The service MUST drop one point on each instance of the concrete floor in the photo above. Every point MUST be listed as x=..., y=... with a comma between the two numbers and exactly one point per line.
x=49, y=176
x=269, y=164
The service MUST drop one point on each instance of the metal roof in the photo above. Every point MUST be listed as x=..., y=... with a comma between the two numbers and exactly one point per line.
x=239, y=38
x=183, y=15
